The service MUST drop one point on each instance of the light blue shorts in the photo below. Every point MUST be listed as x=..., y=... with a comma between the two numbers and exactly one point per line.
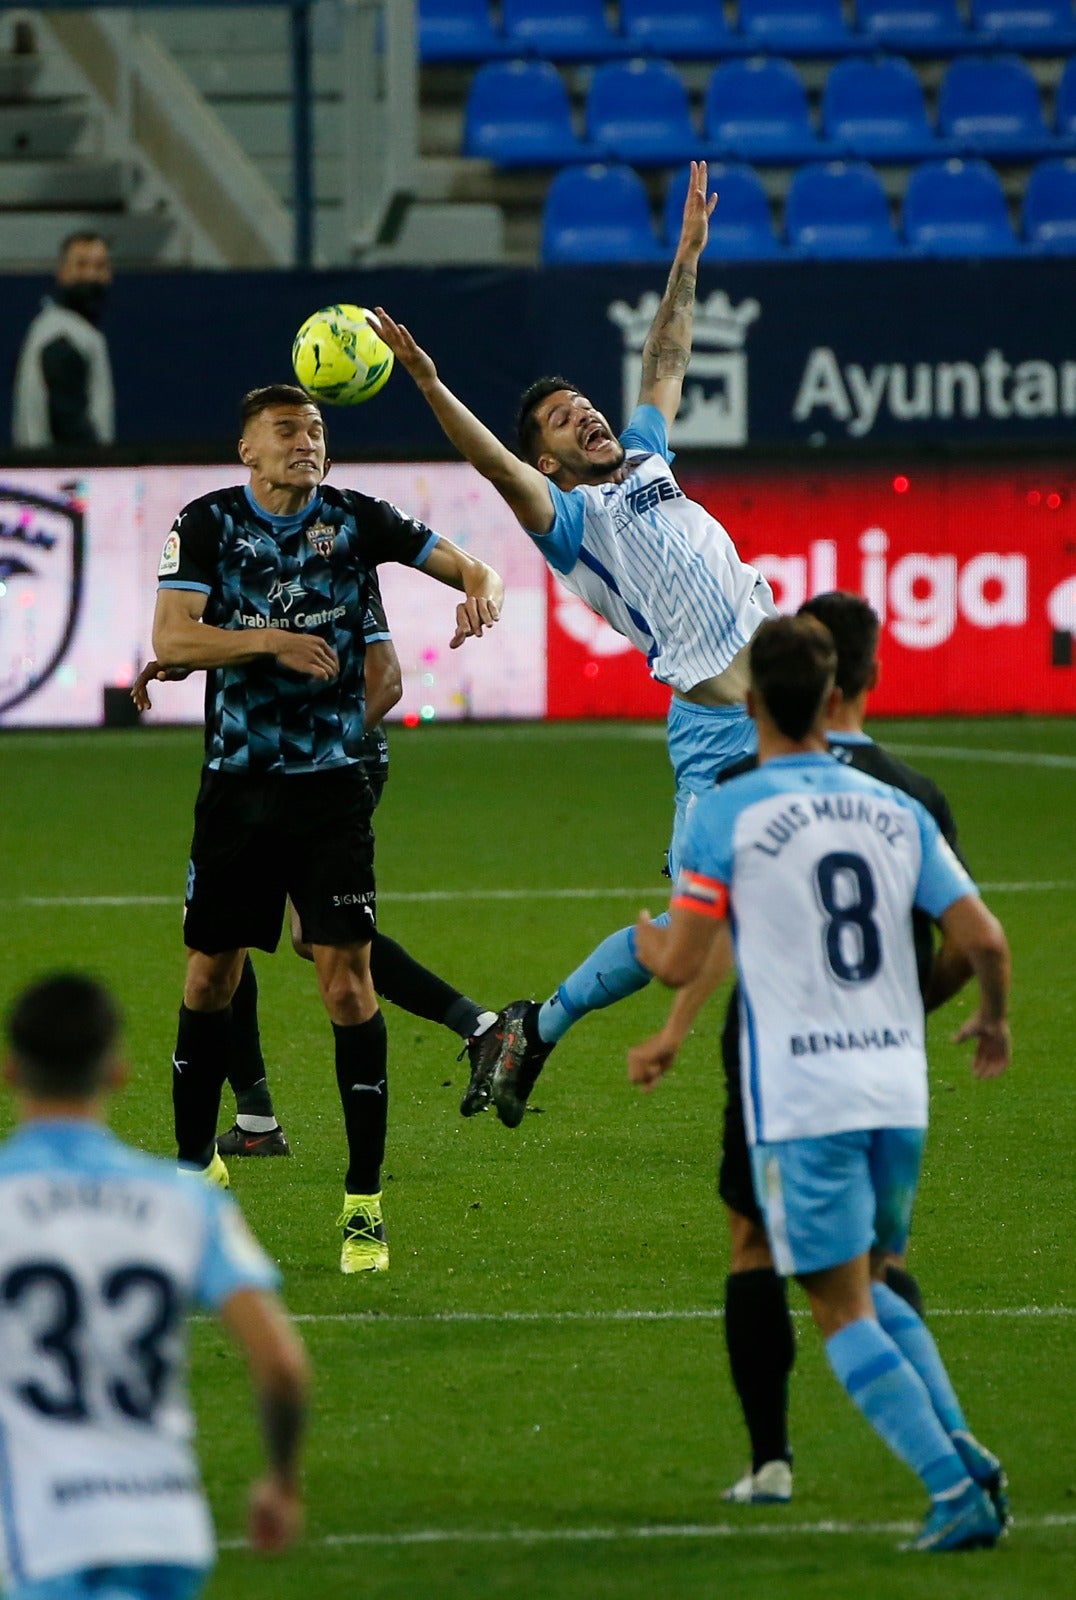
x=141, y=1581
x=702, y=740
x=828, y=1200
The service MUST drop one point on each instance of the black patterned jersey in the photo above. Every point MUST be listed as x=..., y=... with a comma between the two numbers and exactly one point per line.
x=310, y=572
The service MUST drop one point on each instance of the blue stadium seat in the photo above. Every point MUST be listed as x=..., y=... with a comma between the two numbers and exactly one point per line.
x=1065, y=105
x=638, y=112
x=597, y=213
x=560, y=30
x=914, y=27
x=956, y=208
x=796, y=27
x=518, y=115
x=1043, y=27
x=740, y=229
x=990, y=106
x=875, y=109
x=838, y=210
x=457, y=30
x=1050, y=208
x=757, y=111
x=685, y=29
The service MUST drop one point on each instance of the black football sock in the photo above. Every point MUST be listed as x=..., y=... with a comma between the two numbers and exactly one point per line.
x=246, y=1065
x=199, y=1068
x=398, y=977
x=361, y=1075
x=762, y=1349
x=902, y=1283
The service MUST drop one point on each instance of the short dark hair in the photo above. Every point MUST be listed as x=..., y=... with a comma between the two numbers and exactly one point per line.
x=62, y=1031
x=529, y=400
x=793, y=663
x=255, y=401
x=81, y=236
x=855, y=628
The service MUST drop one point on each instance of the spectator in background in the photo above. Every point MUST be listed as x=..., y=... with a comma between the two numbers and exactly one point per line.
x=63, y=380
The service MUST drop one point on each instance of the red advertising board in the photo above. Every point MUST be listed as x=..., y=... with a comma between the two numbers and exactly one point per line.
x=972, y=569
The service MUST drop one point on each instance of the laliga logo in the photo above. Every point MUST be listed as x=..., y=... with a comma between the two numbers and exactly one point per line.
x=714, y=406
x=920, y=597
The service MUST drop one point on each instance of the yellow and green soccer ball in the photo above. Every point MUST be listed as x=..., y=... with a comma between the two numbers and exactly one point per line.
x=339, y=357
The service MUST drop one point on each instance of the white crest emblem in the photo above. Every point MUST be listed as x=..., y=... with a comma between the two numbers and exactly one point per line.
x=322, y=536
x=714, y=406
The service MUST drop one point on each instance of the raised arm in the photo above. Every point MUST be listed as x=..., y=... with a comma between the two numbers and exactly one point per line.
x=182, y=639
x=520, y=485
x=482, y=586
x=667, y=350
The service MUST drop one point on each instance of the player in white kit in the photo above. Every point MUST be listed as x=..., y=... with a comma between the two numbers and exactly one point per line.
x=612, y=522
x=814, y=869
x=103, y=1252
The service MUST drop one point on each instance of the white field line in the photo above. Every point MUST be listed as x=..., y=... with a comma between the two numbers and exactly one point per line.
x=691, y=1314
x=748, y=1529
x=46, y=902
x=998, y=758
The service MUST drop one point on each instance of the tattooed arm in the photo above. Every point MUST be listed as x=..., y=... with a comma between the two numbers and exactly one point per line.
x=667, y=350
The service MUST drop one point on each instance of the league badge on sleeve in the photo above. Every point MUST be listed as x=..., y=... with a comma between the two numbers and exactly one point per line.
x=170, y=556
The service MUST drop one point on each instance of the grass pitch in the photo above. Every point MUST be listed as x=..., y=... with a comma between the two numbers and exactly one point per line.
x=534, y=1402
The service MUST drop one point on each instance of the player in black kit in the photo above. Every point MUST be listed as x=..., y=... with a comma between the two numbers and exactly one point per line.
x=758, y=1327
x=264, y=586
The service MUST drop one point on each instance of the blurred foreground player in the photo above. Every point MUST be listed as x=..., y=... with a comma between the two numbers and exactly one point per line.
x=264, y=585
x=819, y=867
x=759, y=1333
x=103, y=1252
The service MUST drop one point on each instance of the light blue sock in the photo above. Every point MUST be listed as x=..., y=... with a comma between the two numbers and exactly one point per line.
x=895, y=1402
x=610, y=973
x=913, y=1339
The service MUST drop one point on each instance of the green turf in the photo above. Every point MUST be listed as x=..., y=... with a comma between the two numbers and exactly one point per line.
x=545, y=1448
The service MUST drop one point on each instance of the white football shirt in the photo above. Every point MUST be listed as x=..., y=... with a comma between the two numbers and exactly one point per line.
x=103, y=1251
x=818, y=867
x=657, y=566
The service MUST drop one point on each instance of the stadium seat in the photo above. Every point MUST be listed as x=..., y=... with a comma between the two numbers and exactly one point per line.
x=518, y=115
x=956, y=208
x=839, y=210
x=795, y=27
x=875, y=109
x=685, y=29
x=757, y=111
x=597, y=213
x=1043, y=27
x=560, y=30
x=1065, y=107
x=457, y=30
x=1050, y=208
x=740, y=229
x=990, y=106
x=638, y=112
x=914, y=27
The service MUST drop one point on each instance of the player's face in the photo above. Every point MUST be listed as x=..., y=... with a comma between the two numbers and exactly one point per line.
x=576, y=439
x=285, y=446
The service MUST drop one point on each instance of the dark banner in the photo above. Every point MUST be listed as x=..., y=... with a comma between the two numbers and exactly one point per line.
x=785, y=354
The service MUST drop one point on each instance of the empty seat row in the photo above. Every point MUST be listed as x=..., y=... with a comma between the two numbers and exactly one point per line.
x=834, y=210
x=518, y=114
x=578, y=30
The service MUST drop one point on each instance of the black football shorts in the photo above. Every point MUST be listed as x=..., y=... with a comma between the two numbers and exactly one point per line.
x=734, y=1181
x=260, y=839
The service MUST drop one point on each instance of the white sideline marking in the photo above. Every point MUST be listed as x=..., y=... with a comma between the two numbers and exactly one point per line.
x=1000, y=758
x=698, y=1314
x=431, y=896
x=715, y=1530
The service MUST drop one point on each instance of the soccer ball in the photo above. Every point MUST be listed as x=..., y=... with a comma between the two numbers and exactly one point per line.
x=338, y=356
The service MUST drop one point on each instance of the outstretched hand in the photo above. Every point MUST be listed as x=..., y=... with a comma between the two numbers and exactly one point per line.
x=698, y=209
x=993, y=1047
x=650, y=1061
x=410, y=355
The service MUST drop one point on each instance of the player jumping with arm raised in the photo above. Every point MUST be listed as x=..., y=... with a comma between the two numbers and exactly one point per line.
x=611, y=520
